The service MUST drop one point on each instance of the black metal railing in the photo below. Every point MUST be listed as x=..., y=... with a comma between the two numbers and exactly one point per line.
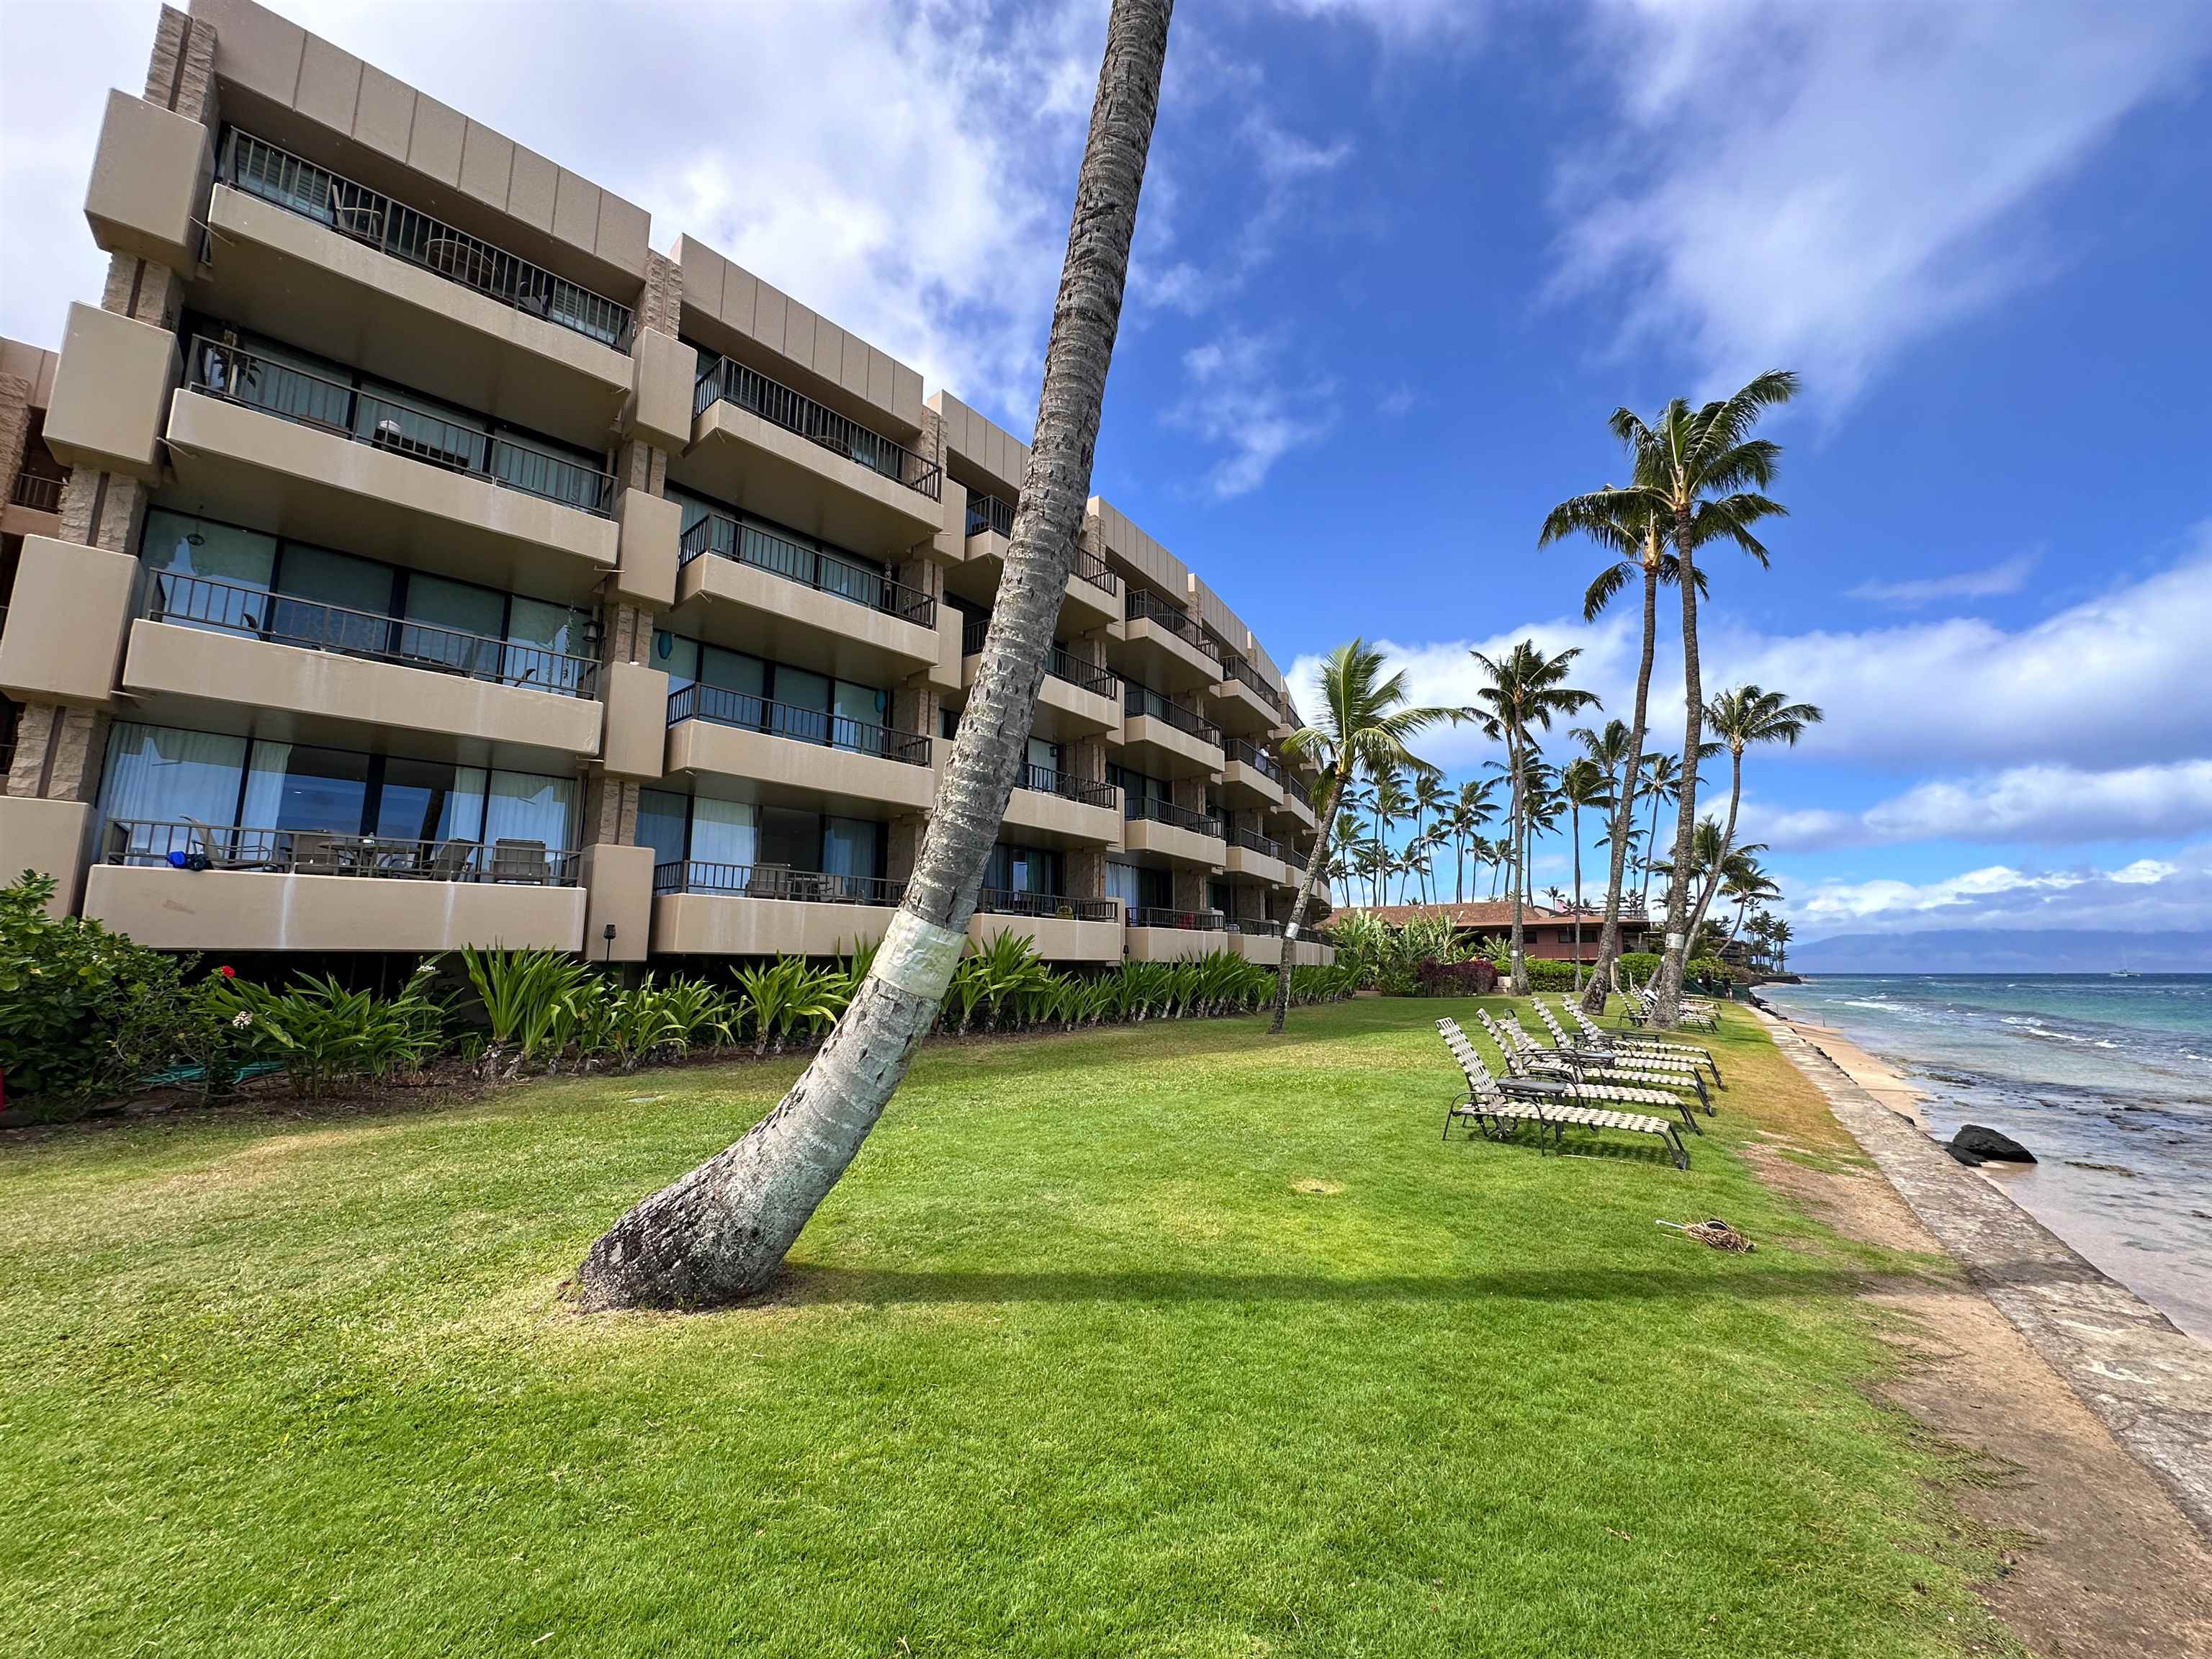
x=1291, y=856
x=722, y=706
x=775, y=881
x=1140, y=699
x=1099, y=681
x=1256, y=757
x=989, y=516
x=1152, y=915
x=259, y=168
x=1145, y=605
x=197, y=602
x=794, y=411
x=40, y=492
x=1005, y=901
x=1065, y=785
x=1166, y=812
x=1256, y=927
x=825, y=572
x=240, y=376
x=1253, y=842
x=188, y=846
x=1240, y=670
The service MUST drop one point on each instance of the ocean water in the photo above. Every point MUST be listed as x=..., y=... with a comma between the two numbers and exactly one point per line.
x=2106, y=1079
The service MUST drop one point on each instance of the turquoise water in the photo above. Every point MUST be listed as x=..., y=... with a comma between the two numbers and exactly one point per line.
x=2107, y=1080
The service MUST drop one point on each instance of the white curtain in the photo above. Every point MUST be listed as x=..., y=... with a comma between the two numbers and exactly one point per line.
x=724, y=832
x=158, y=772
x=526, y=808
x=464, y=806
x=265, y=785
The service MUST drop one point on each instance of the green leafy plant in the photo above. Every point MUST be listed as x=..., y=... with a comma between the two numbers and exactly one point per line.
x=530, y=1003
x=323, y=1035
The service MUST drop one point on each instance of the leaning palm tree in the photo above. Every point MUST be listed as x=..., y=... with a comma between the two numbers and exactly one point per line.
x=1698, y=473
x=1583, y=784
x=1524, y=690
x=1742, y=716
x=1630, y=530
x=1363, y=726
x=719, y=1232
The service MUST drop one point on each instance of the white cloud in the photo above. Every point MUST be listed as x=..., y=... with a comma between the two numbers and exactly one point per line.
x=1236, y=398
x=2148, y=894
x=1861, y=174
x=2049, y=805
x=2006, y=576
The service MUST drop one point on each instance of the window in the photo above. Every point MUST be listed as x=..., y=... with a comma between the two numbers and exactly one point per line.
x=662, y=816
x=1023, y=870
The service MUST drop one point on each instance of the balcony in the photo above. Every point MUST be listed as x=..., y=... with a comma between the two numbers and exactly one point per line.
x=1170, y=834
x=177, y=885
x=1062, y=929
x=440, y=309
x=215, y=655
x=1242, y=699
x=1256, y=858
x=33, y=506
x=255, y=441
x=739, y=585
x=1158, y=934
x=1164, y=647
x=1058, y=809
x=1166, y=740
x=800, y=756
x=769, y=450
x=1261, y=941
x=1295, y=809
x=1076, y=699
x=1094, y=592
x=701, y=908
x=1250, y=777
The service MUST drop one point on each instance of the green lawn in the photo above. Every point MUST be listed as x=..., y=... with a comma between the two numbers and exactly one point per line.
x=1170, y=1341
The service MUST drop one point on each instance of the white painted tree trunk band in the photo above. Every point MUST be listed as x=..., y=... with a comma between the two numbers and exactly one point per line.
x=1291, y=931
x=1673, y=941
x=918, y=957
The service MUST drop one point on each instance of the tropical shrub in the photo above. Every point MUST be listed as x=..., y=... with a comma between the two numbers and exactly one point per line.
x=1642, y=966
x=1545, y=974
x=530, y=1003
x=322, y=1035
x=1475, y=978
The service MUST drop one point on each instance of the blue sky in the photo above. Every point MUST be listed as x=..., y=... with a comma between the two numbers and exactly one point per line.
x=1397, y=261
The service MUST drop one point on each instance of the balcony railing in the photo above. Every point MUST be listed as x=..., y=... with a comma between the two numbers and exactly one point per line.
x=1256, y=757
x=779, y=405
x=39, y=491
x=1236, y=668
x=257, y=613
x=1253, y=842
x=775, y=881
x=824, y=573
x=1256, y=927
x=1139, y=699
x=989, y=516
x=240, y=376
x=1166, y=812
x=1201, y=921
x=188, y=846
x=1004, y=901
x=1065, y=785
x=1291, y=856
x=1099, y=681
x=741, y=709
x=261, y=169
x=1145, y=605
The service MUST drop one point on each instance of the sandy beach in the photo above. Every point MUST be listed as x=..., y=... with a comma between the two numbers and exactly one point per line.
x=1877, y=1078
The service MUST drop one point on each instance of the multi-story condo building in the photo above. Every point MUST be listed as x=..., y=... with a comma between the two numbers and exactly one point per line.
x=404, y=555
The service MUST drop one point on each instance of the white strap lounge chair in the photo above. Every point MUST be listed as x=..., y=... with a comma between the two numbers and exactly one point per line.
x=1530, y=1064
x=1673, y=1071
x=1597, y=1037
x=1488, y=1107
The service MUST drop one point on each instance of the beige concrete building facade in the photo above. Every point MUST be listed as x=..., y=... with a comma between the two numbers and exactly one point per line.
x=401, y=553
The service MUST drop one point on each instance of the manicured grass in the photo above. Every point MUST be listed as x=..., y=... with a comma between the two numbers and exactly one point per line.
x=1171, y=1340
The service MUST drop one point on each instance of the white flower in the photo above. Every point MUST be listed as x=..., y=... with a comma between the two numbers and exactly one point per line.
x=242, y=1019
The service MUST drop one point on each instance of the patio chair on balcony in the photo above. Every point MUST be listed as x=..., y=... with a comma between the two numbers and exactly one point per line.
x=315, y=853
x=451, y=861
x=521, y=861
x=218, y=853
x=768, y=881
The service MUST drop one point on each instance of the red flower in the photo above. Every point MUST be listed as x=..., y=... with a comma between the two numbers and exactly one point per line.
x=228, y=971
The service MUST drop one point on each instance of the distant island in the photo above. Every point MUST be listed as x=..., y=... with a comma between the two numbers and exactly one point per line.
x=2004, y=951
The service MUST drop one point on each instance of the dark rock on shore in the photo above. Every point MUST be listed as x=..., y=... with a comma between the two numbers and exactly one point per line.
x=1986, y=1145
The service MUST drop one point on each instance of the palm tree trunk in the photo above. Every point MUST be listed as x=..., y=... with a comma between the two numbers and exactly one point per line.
x=1608, y=939
x=1516, y=967
x=1575, y=829
x=1728, y=839
x=1668, y=1011
x=1298, y=910
x=719, y=1232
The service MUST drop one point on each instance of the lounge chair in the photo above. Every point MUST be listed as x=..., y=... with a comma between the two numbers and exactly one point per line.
x=1598, y=1037
x=520, y=861
x=218, y=854
x=1490, y=1106
x=315, y=853
x=1694, y=1011
x=1544, y=1068
x=451, y=860
x=1677, y=1069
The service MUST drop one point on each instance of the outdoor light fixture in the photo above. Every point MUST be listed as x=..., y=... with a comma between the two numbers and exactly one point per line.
x=610, y=937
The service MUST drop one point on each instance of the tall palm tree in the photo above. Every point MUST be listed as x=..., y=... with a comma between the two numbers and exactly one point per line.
x=1783, y=934
x=1429, y=803
x=1363, y=726
x=1584, y=785
x=1391, y=802
x=1469, y=812
x=1632, y=532
x=1663, y=784
x=1524, y=690
x=1701, y=475
x=719, y=1232
x=1543, y=809
x=1742, y=716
